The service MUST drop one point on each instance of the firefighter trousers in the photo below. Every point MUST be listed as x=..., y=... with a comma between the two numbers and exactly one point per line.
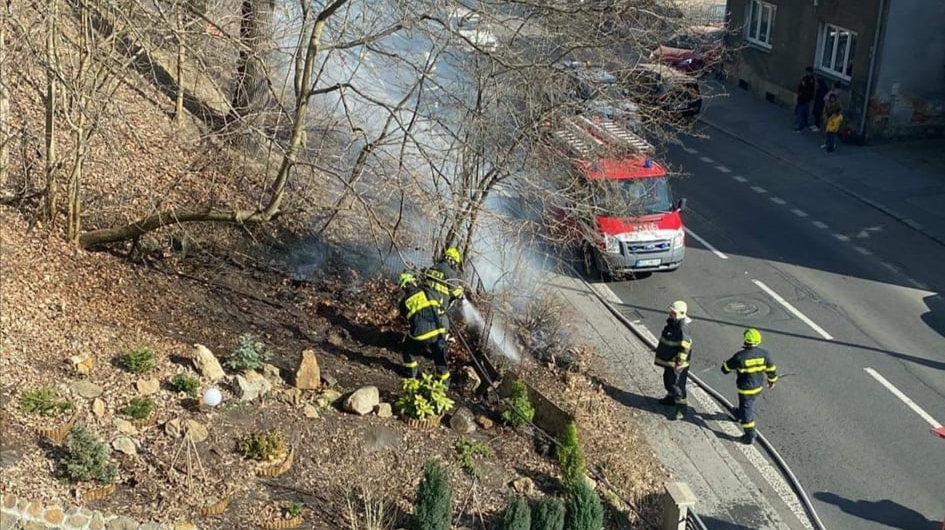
x=675, y=384
x=745, y=415
x=435, y=348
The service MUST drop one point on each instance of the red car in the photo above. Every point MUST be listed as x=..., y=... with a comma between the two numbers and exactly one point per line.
x=697, y=50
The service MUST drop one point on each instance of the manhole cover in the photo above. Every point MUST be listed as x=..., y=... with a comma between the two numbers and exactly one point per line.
x=742, y=308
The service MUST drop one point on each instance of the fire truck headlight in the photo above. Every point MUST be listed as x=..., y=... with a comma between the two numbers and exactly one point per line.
x=679, y=240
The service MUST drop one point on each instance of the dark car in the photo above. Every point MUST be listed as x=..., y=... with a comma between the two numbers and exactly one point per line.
x=697, y=50
x=665, y=88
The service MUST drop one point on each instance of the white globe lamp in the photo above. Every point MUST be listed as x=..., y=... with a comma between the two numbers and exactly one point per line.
x=212, y=397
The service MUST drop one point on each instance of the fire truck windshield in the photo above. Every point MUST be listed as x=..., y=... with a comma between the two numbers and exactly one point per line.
x=632, y=197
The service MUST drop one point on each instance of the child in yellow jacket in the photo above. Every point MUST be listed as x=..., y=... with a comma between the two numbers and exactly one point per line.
x=833, y=130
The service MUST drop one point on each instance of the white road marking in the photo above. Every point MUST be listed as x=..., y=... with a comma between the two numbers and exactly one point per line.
x=768, y=471
x=799, y=213
x=890, y=267
x=740, y=179
x=758, y=189
x=778, y=200
x=706, y=244
x=707, y=160
x=841, y=237
x=690, y=150
x=864, y=251
x=793, y=310
x=723, y=169
x=818, y=224
x=905, y=399
x=917, y=284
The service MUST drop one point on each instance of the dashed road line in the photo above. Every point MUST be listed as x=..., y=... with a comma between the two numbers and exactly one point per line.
x=778, y=200
x=758, y=189
x=739, y=179
x=818, y=224
x=889, y=266
x=723, y=169
x=798, y=212
x=917, y=284
x=707, y=245
x=841, y=237
x=904, y=398
x=864, y=251
x=707, y=160
x=690, y=150
x=793, y=310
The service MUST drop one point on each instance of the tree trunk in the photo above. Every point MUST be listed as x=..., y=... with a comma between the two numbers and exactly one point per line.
x=251, y=90
x=5, y=137
x=179, y=101
x=52, y=156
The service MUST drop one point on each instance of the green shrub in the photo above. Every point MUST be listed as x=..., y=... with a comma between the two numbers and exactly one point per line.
x=517, y=515
x=585, y=511
x=44, y=402
x=138, y=360
x=86, y=458
x=570, y=457
x=186, y=384
x=422, y=398
x=432, y=507
x=520, y=411
x=293, y=509
x=263, y=446
x=138, y=408
x=249, y=354
x=467, y=451
x=548, y=514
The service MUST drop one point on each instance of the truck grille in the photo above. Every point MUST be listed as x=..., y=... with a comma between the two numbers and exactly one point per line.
x=645, y=247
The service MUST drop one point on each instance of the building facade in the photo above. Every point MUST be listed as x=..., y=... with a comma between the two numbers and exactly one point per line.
x=888, y=55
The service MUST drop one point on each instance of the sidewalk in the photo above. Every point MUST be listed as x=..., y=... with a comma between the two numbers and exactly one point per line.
x=699, y=450
x=906, y=179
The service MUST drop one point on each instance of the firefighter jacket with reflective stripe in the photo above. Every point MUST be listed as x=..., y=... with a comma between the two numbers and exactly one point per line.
x=675, y=344
x=443, y=283
x=754, y=366
x=422, y=312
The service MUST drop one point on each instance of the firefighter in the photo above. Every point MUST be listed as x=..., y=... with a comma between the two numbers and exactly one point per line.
x=427, y=336
x=754, y=367
x=672, y=353
x=442, y=281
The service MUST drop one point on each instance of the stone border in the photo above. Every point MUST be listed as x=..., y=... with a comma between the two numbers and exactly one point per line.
x=17, y=512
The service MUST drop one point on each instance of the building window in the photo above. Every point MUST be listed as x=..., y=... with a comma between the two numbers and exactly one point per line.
x=759, y=22
x=835, y=49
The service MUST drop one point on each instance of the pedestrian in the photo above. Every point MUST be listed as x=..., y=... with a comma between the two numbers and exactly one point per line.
x=427, y=336
x=443, y=282
x=820, y=101
x=672, y=353
x=833, y=129
x=805, y=93
x=754, y=367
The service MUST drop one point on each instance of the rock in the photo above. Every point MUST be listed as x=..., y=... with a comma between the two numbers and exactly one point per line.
x=485, y=422
x=379, y=438
x=329, y=380
x=524, y=486
x=98, y=407
x=384, y=410
x=469, y=380
x=251, y=385
x=82, y=363
x=462, y=421
x=308, y=375
x=87, y=389
x=173, y=428
x=335, y=338
x=147, y=387
x=196, y=431
x=310, y=411
x=206, y=363
x=292, y=396
x=363, y=400
x=125, y=426
x=126, y=445
x=327, y=398
x=272, y=373
x=591, y=483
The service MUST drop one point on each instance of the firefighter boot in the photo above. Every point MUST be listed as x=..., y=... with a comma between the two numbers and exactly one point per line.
x=668, y=400
x=680, y=412
x=747, y=438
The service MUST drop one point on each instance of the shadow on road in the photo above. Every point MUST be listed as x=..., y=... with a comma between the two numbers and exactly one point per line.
x=935, y=318
x=885, y=512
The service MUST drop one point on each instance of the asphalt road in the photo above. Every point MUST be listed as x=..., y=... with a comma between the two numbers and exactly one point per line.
x=842, y=295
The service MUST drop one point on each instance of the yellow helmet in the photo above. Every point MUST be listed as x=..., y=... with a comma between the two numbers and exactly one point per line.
x=680, y=308
x=406, y=279
x=752, y=337
x=453, y=255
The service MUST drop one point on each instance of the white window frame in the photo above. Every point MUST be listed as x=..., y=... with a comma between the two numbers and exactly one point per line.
x=831, y=68
x=753, y=31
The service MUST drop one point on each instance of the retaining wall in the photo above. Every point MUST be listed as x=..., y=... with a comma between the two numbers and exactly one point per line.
x=22, y=514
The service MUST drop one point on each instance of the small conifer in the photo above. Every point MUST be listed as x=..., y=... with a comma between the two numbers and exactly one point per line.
x=570, y=457
x=585, y=511
x=432, y=507
x=548, y=514
x=517, y=515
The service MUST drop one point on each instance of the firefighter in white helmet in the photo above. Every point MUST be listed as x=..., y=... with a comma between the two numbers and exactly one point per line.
x=672, y=353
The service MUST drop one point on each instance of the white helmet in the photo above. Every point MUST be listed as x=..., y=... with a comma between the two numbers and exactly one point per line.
x=680, y=308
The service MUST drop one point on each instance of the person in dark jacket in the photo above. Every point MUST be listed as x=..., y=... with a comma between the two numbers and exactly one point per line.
x=443, y=282
x=755, y=367
x=672, y=353
x=427, y=336
x=805, y=93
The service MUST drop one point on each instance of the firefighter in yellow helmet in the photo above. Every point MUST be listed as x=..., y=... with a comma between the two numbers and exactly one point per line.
x=754, y=366
x=672, y=353
x=443, y=282
x=427, y=336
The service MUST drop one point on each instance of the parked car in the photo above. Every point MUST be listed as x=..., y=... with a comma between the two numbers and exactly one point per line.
x=468, y=24
x=597, y=93
x=665, y=88
x=699, y=49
